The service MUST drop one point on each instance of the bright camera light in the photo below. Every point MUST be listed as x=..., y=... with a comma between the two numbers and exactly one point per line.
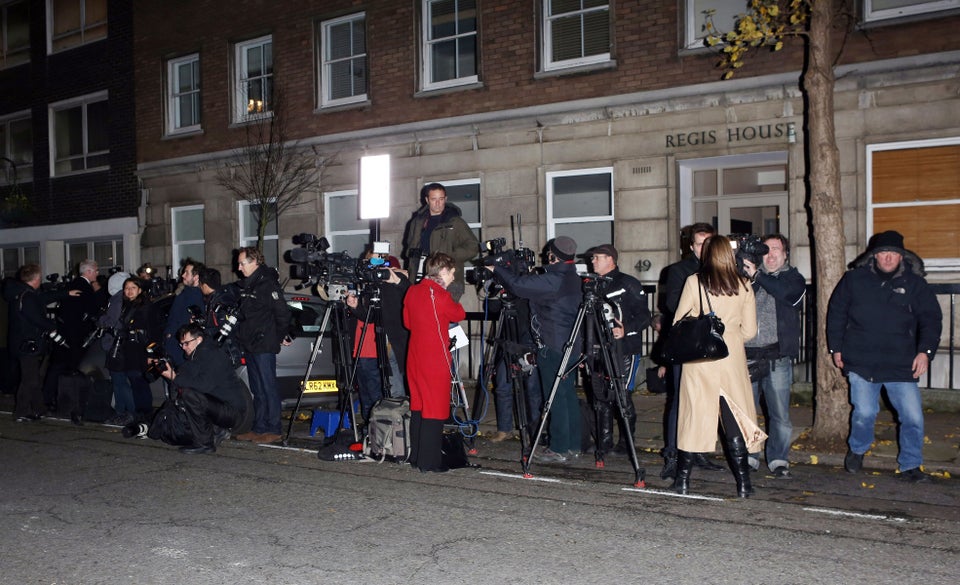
x=375, y=186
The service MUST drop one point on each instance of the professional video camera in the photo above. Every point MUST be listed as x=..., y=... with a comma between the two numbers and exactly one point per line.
x=518, y=260
x=337, y=272
x=157, y=362
x=748, y=247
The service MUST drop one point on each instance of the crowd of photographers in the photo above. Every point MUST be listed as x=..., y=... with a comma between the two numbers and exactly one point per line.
x=543, y=346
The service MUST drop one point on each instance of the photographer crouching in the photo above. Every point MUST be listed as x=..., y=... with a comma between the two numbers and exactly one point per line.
x=210, y=396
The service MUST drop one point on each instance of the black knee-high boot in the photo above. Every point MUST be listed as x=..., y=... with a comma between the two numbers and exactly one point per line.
x=740, y=464
x=681, y=483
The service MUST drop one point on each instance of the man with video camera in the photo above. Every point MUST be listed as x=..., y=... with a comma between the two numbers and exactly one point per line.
x=631, y=318
x=31, y=334
x=779, y=290
x=555, y=298
x=208, y=390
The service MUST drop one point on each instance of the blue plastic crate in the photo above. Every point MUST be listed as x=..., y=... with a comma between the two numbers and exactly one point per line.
x=329, y=420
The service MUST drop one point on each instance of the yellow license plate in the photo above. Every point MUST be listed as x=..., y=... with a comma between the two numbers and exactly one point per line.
x=320, y=386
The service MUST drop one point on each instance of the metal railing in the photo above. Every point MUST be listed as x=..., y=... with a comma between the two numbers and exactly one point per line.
x=941, y=375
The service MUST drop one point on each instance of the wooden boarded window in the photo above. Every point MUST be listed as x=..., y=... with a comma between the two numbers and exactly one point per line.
x=916, y=191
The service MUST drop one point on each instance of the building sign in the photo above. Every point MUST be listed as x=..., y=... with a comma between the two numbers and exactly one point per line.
x=733, y=135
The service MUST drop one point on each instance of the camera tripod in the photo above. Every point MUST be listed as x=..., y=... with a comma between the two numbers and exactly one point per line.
x=337, y=311
x=506, y=346
x=592, y=320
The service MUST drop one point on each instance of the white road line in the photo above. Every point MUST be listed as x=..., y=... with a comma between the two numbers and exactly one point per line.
x=520, y=476
x=854, y=514
x=673, y=494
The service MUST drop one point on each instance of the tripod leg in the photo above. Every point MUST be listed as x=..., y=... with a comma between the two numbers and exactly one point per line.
x=317, y=348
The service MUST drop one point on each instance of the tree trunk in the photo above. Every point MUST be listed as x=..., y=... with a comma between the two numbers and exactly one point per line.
x=831, y=415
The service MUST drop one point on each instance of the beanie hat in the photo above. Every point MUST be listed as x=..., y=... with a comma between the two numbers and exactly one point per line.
x=563, y=247
x=888, y=241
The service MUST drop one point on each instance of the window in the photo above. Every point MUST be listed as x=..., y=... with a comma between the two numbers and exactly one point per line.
x=883, y=9
x=254, y=63
x=186, y=225
x=914, y=188
x=580, y=205
x=108, y=253
x=742, y=194
x=183, y=94
x=575, y=32
x=449, y=43
x=12, y=258
x=249, y=228
x=78, y=135
x=345, y=231
x=14, y=34
x=75, y=22
x=16, y=144
x=343, y=71
x=725, y=13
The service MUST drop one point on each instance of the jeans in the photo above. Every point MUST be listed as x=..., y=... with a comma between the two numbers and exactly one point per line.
x=775, y=388
x=905, y=397
x=262, y=374
x=369, y=384
x=503, y=398
x=122, y=393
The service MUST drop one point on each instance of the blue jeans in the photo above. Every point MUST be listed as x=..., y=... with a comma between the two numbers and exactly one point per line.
x=905, y=398
x=262, y=373
x=369, y=384
x=775, y=388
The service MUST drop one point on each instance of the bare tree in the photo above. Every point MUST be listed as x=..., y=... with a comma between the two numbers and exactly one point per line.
x=269, y=170
x=768, y=23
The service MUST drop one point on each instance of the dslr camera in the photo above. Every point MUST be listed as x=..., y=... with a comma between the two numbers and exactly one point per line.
x=158, y=362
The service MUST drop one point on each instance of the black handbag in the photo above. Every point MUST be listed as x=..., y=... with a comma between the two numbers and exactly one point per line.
x=695, y=339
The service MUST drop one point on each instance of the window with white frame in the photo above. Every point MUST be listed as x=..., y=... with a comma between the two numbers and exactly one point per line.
x=575, y=33
x=183, y=94
x=580, y=205
x=254, y=75
x=108, y=252
x=14, y=33
x=186, y=227
x=78, y=135
x=884, y=9
x=449, y=43
x=13, y=257
x=722, y=13
x=249, y=229
x=72, y=23
x=914, y=188
x=16, y=144
x=345, y=231
x=343, y=68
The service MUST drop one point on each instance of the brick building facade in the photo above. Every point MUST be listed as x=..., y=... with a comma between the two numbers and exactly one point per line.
x=67, y=120
x=601, y=120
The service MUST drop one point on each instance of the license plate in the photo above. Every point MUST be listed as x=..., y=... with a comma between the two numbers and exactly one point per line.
x=320, y=386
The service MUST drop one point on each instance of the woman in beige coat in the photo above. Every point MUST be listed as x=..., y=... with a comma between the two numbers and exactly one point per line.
x=718, y=389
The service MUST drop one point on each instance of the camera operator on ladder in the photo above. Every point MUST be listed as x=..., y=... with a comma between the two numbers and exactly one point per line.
x=634, y=316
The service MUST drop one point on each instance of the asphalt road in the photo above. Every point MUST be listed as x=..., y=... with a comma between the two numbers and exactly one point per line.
x=82, y=505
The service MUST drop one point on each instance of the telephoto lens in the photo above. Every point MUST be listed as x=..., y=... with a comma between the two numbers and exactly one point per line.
x=134, y=431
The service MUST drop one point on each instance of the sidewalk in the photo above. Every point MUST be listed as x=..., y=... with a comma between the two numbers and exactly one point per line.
x=941, y=451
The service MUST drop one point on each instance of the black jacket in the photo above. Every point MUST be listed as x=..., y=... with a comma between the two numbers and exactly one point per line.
x=634, y=311
x=554, y=297
x=879, y=325
x=78, y=315
x=27, y=317
x=787, y=287
x=138, y=327
x=264, y=315
x=209, y=370
x=676, y=276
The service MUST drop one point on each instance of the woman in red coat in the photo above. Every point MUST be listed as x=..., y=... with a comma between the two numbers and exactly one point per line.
x=428, y=310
